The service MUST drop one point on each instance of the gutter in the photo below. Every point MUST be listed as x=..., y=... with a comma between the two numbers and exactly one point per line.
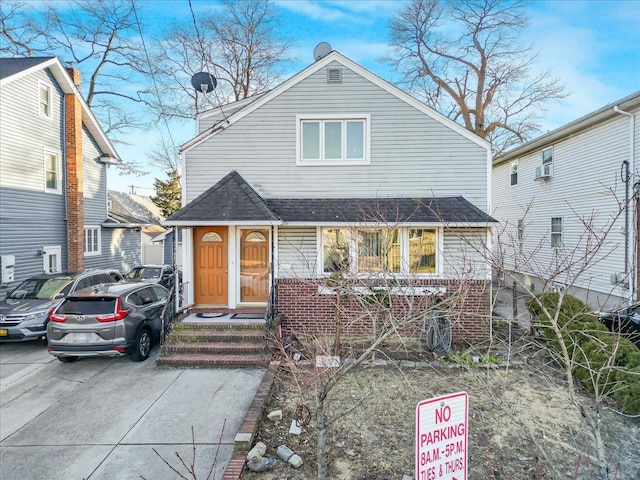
x=630, y=219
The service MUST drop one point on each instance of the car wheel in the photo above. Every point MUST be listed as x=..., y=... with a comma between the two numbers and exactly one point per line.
x=67, y=359
x=142, y=346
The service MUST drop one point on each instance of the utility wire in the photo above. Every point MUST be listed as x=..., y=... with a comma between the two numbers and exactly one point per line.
x=204, y=61
x=163, y=115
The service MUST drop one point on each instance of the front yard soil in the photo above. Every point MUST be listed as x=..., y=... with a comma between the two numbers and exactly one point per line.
x=520, y=421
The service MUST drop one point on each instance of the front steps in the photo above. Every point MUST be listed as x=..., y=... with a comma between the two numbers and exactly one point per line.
x=228, y=344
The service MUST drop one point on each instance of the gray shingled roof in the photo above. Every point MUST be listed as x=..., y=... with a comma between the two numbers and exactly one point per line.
x=11, y=66
x=233, y=200
x=371, y=210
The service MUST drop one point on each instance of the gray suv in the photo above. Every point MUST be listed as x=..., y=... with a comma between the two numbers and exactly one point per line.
x=24, y=312
x=109, y=321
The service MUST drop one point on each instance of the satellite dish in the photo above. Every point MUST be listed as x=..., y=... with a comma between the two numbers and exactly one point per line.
x=204, y=82
x=322, y=50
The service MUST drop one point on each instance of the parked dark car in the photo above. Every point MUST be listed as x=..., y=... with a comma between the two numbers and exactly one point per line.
x=109, y=321
x=24, y=312
x=162, y=274
x=625, y=321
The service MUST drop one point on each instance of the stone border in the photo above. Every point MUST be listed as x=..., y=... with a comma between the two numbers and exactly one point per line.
x=245, y=436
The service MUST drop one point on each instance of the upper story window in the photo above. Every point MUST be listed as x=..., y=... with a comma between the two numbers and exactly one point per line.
x=52, y=172
x=44, y=100
x=514, y=172
x=547, y=156
x=331, y=140
x=556, y=232
x=91, y=241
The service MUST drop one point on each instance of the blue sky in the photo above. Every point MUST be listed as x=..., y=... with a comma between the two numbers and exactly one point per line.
x=593, y=47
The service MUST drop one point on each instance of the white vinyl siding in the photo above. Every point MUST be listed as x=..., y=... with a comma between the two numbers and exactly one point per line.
x=586, y=181
x=411, y=154
x=297, y=252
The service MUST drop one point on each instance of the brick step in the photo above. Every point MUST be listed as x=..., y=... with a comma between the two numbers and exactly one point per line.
x=225, y=348
x=216, y=336
x=202, y=360
x=244, y=325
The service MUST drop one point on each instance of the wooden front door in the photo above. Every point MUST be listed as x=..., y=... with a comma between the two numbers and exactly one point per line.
x=254, y=265
x=210, y=265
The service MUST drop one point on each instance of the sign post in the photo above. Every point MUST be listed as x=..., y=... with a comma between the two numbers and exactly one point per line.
x=441, y=437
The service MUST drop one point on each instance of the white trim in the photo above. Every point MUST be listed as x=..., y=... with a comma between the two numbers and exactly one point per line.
x=49, y=87
x=98, y=251
x=336, y=56
x=49, y=251
x=321, y=118
x=68, y=87
x=221, y=223
x=59, y=172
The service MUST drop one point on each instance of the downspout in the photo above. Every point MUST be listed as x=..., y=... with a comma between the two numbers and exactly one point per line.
x=630, y=259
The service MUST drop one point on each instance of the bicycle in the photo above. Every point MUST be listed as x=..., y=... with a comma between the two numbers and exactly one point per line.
x=436, y=333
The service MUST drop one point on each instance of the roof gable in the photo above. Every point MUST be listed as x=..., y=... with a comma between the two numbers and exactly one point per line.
x=334, y=56
x=15, y=68
x=232, y=199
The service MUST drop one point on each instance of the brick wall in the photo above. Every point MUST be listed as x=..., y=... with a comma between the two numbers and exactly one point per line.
x=75, y=188
x=305, y=310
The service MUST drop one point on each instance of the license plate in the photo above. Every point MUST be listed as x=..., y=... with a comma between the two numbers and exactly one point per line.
x=4, y=332
x=80, y=337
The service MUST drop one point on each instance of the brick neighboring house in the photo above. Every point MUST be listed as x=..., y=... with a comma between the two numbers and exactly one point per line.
x=334, y=170
x=53, y=174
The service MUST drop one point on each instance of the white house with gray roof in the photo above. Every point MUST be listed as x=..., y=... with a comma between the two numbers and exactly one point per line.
x=571, y=186
x=333, y=171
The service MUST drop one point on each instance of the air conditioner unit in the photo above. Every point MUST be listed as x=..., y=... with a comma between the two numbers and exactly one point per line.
x=544, y=171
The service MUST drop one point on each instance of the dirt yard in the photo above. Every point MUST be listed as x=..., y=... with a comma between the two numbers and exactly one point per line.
x=519, y=414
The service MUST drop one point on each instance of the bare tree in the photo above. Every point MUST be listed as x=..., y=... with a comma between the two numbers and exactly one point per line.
x=576, y=341
x=239, y=44
x=464, y=58
x=18, y=35
x=102, y=40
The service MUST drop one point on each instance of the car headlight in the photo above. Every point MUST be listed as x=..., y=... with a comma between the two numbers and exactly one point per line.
x=37, y=316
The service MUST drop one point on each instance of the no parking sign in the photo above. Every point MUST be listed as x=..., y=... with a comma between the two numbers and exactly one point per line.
x=441, y=437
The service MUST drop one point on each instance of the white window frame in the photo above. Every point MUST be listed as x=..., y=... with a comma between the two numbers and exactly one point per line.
x=48, y=252
x=513, y=171
x=58, y=158
x=49, y=100
x=352, y=239
x=556, y=234
x=550, y=162
x=96, y=246
x=322, y=119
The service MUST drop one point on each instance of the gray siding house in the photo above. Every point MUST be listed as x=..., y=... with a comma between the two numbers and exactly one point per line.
x=567, y=203
x=53, y=175
x=335, y=171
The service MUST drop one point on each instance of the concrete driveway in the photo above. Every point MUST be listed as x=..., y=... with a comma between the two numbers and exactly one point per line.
x=102, y=418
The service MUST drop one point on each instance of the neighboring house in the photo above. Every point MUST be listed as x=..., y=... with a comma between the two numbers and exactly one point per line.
x=334, y=170
x=141, y=214
x=166, y=239
x=542, y=189
x=53, y=175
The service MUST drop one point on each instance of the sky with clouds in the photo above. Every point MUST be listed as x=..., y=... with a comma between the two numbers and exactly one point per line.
x=592, y=46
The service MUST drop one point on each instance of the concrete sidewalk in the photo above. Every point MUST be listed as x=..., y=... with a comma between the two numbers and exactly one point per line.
x=102, y=418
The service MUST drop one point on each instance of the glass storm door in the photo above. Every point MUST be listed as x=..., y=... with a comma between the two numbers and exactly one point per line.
x=254, y=265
